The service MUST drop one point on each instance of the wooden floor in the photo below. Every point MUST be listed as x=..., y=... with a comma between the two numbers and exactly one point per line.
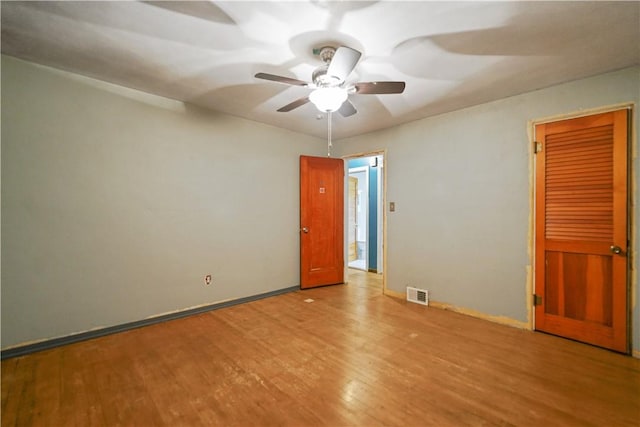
x=350, y=357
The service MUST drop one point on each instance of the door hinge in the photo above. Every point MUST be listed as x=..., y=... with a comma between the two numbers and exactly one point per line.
x=537, y=147
x=537, y=300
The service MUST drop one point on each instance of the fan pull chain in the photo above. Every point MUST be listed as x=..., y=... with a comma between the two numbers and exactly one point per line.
x=329, y=144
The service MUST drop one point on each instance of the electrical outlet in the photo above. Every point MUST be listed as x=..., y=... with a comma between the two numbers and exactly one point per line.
x=207, y=279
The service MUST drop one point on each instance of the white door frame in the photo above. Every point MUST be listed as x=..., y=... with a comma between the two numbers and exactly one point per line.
x=357, y=170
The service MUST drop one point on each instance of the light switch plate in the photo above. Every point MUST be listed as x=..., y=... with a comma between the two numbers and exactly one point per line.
x=392, y=206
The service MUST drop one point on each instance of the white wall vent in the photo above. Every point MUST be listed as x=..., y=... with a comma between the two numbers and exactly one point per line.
x=419, y=296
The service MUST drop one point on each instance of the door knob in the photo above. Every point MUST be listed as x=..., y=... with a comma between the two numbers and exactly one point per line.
x=305, y=230
x=616, y=250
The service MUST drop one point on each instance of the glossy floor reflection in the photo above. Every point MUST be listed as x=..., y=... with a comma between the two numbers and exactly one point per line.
x=352, y=357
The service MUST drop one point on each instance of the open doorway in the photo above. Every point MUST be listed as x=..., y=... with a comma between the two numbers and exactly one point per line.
x=358, y=240
x=365, y=209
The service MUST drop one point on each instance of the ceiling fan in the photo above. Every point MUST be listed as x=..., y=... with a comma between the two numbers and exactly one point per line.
x=330, y=90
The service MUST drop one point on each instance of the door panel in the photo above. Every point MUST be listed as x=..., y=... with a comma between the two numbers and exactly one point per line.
x=587, y=291
x=581, y=214
x=321, y=221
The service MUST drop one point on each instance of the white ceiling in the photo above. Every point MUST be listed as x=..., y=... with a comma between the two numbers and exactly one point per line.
x=451, y=54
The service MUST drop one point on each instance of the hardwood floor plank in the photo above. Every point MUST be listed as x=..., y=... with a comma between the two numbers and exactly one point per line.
x=352, y=357
x=79, y=403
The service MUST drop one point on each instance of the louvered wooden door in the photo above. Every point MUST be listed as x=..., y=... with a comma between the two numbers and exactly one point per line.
x=581, y=229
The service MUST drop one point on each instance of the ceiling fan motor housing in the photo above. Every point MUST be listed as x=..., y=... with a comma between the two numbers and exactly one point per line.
x=326, y=54
x=320, y=77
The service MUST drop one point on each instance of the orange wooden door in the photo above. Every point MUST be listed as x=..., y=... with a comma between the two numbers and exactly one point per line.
x=321, y=221
x=581, y=229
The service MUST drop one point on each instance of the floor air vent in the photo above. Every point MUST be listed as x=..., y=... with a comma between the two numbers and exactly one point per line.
x=419, y=296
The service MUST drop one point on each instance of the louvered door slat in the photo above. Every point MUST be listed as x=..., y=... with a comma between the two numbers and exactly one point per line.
x=567, y=152
x=583, y=134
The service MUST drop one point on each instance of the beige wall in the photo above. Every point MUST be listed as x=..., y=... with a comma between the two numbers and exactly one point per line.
x=116, y=204
x=461, y=184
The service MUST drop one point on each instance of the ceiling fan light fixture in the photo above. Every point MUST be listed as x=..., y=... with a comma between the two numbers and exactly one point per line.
x=330, y=83
x=328, y=99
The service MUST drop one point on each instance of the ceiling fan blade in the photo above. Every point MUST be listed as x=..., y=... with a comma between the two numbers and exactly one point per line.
x=281, y=79
x=347, y=109
x=343, y=62
x=377, y=88
x=295, y=104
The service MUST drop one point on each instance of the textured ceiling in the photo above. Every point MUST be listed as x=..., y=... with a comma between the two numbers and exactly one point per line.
x=451, y=54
